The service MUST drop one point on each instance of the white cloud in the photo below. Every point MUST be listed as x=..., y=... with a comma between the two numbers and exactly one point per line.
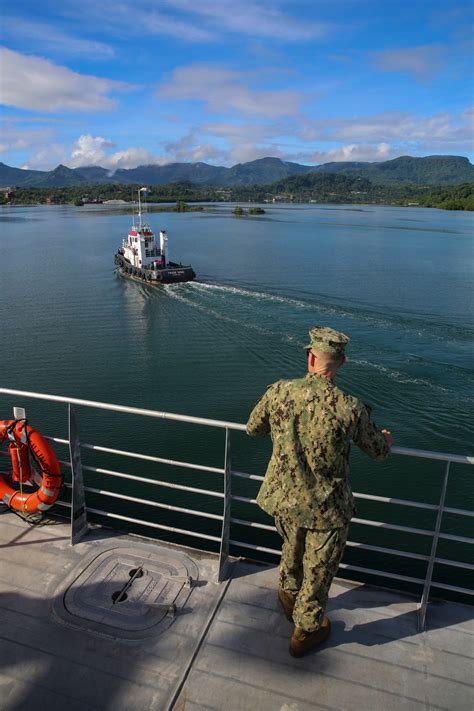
x=203, y=21
x=225, y=91
x=423, y=62
x=443, y=130
x=254, y=19
x=244, y=152
x=47, y=157
x=89, y=150
x=352, y=152
x=247, y=131
x=189, y=148
x=18, y=138
x=95, y=150
x=37, y=84
x=160, y=24
x=367, y=138
x=139, y=19
x=39, y=34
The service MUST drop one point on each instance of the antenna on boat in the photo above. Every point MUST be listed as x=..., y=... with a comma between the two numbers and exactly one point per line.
x=142, y=190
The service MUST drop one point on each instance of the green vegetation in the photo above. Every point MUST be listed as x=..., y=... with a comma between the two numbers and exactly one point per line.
x=459, y=197
x=326, y=188
x=181, y=206
x=429, y=170
x=240, y=212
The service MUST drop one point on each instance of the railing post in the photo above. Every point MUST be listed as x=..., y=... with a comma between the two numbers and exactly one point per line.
x=225, y=535
x=434, y=545
x=79, y=525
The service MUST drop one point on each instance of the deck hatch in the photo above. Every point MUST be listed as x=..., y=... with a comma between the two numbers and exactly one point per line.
x=128, y=592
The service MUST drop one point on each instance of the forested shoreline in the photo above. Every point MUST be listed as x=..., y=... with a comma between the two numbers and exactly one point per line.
x=311, y=188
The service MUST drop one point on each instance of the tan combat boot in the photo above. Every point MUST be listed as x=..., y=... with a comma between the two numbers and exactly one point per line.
x=302, y=642
x=287, y=601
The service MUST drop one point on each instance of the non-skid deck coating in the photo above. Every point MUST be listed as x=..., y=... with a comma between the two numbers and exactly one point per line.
x=227, y=648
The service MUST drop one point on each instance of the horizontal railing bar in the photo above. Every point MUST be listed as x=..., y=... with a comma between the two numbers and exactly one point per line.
x=147, y=502
x=156, y=482
x=392, y=526
x=367, y=546
x=406, y=578
x=149, y=458
x=123, y=408
x=243, y=475
x=459, y=539
x=253, y=547
x=381, y=573
x=359, y=569
x=244, y=499
x=441, y=561
x=386, y=551
x=353, y=544
x=453, y=588
x=455, y=563
x=108, y=514
x=400, y=502
x=414, y=504
x=253, y=524
x=382, y=499
x=425, y=454
x=57, y=440
x=458, y=512
x=406, y=554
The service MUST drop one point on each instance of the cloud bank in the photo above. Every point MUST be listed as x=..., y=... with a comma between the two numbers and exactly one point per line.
x=225, y=91
x=37, y=84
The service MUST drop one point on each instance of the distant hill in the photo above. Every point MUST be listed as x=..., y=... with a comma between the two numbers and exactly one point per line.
x=16, y=176
x=432, y=170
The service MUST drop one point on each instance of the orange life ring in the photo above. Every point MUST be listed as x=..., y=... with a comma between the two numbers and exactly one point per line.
x=22, y=436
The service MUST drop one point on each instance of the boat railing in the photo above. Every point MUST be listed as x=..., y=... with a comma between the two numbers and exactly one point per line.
x=224, y=541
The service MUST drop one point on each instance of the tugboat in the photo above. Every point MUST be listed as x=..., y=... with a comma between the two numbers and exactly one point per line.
x=141, y=258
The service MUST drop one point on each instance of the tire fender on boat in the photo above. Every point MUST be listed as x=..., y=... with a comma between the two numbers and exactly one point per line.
x=24, y=440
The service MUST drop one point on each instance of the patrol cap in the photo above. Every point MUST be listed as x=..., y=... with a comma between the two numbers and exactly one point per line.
x=327, y=340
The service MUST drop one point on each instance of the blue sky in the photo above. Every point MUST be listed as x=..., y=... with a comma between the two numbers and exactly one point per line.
x=120, y=84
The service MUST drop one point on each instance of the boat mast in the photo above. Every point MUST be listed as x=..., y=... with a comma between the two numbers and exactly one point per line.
x=141, y=190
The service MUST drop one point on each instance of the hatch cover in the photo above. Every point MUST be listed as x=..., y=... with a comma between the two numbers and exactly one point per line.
x=129, y=592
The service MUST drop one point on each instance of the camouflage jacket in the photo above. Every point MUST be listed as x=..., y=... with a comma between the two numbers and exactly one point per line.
x=311, y=423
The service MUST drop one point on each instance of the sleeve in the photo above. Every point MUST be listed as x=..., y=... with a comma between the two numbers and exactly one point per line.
x=259, y=420
x=368, y=437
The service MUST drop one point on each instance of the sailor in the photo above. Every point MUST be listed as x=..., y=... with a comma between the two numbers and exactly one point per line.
x=306, y=487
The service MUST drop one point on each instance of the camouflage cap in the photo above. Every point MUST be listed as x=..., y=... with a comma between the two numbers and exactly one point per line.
x=327, y=340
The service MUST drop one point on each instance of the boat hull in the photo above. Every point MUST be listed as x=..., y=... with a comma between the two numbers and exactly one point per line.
x=171, y=274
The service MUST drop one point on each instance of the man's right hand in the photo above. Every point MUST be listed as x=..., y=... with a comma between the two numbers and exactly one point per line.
x=388, y=437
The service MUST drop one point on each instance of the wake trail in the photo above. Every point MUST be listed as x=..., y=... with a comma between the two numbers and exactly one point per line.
x=435, y=329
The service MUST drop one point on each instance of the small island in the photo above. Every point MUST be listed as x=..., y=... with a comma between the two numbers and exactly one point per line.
x=240, y=212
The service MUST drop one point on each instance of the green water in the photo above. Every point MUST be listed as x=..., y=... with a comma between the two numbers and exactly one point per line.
x=397, y=281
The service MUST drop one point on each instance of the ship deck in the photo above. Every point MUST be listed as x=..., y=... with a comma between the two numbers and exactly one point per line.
x=227, y=647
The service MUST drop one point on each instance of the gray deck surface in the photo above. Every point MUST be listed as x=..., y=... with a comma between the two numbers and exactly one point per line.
x=227, y=649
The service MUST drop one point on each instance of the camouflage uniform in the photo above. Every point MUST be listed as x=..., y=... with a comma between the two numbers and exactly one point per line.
x=306, y=486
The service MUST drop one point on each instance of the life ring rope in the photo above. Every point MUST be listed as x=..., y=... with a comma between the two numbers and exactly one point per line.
x=25, y=441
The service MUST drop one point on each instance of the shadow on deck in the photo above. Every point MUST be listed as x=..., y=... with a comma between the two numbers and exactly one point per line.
x=226, y=648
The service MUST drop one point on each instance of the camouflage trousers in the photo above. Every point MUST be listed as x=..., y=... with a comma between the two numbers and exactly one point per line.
x=309, y=562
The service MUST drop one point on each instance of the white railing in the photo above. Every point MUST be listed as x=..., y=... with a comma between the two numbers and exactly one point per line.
x=79, y=509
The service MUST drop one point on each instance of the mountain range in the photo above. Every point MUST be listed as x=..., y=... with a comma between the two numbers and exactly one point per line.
x=430, y=170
